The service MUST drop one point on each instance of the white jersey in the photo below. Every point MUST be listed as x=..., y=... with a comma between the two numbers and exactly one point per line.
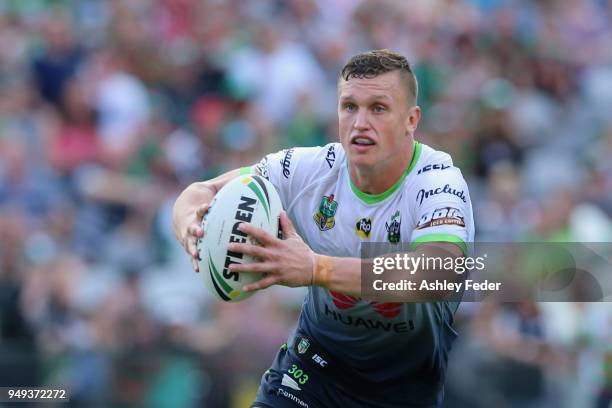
x=429, y=203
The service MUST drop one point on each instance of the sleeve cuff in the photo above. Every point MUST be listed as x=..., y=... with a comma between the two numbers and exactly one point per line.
x=449, y=238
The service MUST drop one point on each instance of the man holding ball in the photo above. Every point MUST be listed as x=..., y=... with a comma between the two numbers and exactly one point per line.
x=377, y=185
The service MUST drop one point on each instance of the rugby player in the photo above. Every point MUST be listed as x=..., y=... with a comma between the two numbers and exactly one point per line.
x=377, y=185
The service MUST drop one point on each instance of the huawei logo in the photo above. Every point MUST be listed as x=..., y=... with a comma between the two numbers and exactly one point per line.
x=388, y=310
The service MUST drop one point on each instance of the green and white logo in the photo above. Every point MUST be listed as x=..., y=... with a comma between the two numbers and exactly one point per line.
x=324, y=217
x=393, y=228
x=303, y=346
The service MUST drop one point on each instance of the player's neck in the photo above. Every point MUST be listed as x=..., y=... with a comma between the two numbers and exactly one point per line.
x=380, y=178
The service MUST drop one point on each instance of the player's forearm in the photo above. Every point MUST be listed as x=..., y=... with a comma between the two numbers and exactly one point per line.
x=187, y=203
x=194, y=196
x=344, y=275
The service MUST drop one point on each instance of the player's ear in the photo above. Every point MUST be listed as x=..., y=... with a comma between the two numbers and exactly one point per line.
x=412, y=119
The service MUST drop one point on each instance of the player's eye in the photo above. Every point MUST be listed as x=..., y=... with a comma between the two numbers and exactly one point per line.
x=378, y=108
x=350, y=107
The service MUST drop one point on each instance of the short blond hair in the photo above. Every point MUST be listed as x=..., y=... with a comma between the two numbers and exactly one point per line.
x=370, y=64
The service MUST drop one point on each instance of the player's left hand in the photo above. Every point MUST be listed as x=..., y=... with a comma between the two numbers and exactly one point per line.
x=287, y=262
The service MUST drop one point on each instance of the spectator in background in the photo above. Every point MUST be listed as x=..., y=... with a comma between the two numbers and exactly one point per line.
x=122, y=103
x=75, y=141
x=60, y=58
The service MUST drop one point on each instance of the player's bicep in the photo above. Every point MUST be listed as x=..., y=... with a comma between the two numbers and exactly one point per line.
x=270, y=168
x=288, y=170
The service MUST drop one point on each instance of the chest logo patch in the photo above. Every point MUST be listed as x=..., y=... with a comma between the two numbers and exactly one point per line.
x=393, y=228
x=324, y=217
x=363, y=228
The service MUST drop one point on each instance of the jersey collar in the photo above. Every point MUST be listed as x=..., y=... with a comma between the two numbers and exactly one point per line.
x=377, y=198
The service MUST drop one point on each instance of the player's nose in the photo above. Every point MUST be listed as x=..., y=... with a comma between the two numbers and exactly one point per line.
x=361, y=120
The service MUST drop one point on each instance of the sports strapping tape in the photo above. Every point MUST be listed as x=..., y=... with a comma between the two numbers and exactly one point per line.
x=322, y=270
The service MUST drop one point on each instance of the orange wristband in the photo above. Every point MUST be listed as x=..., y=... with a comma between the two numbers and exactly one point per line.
x=322, y=269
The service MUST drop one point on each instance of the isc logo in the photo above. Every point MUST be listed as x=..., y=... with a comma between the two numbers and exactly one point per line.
x=319, y=360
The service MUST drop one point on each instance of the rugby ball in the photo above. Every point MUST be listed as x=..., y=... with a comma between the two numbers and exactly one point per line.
x=248, y=198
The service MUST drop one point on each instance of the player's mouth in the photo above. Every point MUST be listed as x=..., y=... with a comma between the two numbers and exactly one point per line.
x=362, y=143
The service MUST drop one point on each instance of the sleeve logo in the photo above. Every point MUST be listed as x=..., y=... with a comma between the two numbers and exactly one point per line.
x=441, y=216
x=424, y=194
x=262, y=168
x=433, y=167
x=330, y=158
x=286, y=162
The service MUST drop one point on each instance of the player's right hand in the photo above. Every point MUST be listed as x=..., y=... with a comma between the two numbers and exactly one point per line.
x=189, y=235
x=188, y=212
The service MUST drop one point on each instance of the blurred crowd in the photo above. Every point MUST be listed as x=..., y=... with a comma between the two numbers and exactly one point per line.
x=109, y=108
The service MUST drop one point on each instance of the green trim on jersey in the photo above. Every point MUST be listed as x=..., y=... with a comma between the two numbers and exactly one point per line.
x=245, y=170
x=377, y=198
x=452, y=239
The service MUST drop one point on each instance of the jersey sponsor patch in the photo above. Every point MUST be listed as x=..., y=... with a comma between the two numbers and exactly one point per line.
x=441, y=216
x=366, y=323
x=428, y=167
x=388, y=310
x=447, y=189
x=286, y=162
x=292, y=397
x=343, y=302
x=324, y=217
x=393, y=228
x=363, y=227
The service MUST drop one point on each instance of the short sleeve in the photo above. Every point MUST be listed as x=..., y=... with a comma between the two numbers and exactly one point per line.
x=442, y=211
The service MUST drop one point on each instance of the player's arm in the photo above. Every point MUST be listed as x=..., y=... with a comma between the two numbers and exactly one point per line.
x=190, y=207
x=344, y=275
x=290, y=262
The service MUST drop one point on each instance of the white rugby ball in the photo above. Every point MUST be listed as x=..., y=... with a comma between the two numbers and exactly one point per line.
x=248, y=198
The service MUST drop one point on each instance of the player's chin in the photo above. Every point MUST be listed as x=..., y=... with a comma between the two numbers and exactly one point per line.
x=363, y=165
x=359, y=156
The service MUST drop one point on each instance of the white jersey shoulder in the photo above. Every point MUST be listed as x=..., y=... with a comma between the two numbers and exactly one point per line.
x=431, y=160
x=439, y=199
x=293, y=170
